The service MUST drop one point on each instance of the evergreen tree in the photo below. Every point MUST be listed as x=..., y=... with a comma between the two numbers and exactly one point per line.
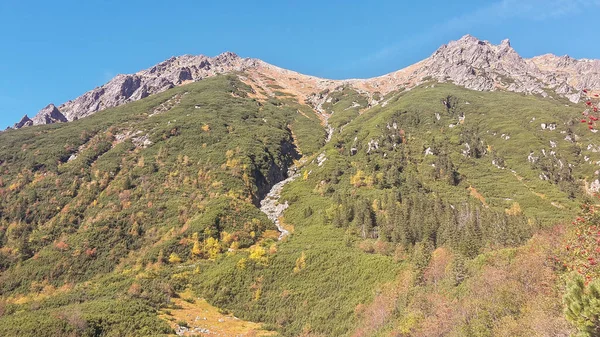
x=363, y=217
x=458, y=269
x=422, y=255
x=582, y=307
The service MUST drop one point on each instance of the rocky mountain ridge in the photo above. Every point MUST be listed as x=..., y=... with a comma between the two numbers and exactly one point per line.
x=125, y=88
x=480, y=65
x=469, y=62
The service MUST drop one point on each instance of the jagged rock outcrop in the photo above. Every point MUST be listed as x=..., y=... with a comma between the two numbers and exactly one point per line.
x=567, y=71
x=49, y=115
x=469, y=62
x=480, y=65
x=163, y=76
x=25, y=121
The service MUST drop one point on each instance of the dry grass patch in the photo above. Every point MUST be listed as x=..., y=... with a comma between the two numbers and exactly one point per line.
x=202, y=319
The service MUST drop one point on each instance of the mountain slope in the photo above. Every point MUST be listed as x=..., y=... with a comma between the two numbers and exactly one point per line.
x=409, y=206
x=376, y=187
x=125, y=199
x=131, y=184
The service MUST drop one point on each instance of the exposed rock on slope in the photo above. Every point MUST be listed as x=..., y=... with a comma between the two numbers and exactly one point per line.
x=163, y=76
x=578, y=74
x=469, y=62
x=25, y=121
x=49, y=115
x=480, y=65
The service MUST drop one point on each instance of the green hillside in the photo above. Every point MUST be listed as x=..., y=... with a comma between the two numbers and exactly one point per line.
x=415, y=210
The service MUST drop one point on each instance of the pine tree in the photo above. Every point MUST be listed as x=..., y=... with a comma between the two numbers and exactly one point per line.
x=161, y=258
x=337, y=219
x=363, y=217
x=458, y=269
x=422, y=255
x=582, y=307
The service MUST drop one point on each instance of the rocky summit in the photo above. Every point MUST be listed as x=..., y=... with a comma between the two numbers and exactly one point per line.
x=49, y=115
x=25, y=121
x=468, y=62
x=480, y=65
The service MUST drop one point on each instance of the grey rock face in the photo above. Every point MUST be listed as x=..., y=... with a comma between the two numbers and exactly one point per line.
x=480, y=65
x=577, y=74
x=25, y=121
x=49, y=115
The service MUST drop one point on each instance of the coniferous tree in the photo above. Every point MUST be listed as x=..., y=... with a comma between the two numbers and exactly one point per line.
x=458, y=269
x=363, y=217
x=422, y=254
x=582, y=307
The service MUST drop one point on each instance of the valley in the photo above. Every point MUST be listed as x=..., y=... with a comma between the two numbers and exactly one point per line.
x=448, y=198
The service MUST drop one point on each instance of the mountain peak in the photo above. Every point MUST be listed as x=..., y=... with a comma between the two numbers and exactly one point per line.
x=469, y=39
x=49, y=115
x=124, y=88
x=226, y=58
x=480, y=65
x=472, y=40
x=229, y=54
x=505, y=43
x=25, y=121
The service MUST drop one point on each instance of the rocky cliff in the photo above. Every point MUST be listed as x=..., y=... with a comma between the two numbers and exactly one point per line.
x=480, y=65
x=49, y=115
x=469, y=62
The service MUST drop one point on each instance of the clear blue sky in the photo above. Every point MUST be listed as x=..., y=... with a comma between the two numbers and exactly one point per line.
x=52, y=51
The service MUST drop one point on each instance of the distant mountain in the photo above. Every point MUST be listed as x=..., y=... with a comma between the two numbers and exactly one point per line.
x=468, y=62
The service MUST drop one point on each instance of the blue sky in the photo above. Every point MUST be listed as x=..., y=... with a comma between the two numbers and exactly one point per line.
x=52, y=51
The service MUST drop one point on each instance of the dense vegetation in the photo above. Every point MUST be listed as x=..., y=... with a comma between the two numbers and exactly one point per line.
x=436, y=212
x=136, y=188
x=399, y=183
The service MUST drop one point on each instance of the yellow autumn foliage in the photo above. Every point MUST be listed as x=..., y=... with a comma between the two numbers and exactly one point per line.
x=212, y=248
x=300, y=263
x=258, y=255
x=174, y=258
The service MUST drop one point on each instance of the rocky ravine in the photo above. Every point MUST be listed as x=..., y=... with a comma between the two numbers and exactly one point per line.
x=271, y=205
x=469, y=62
